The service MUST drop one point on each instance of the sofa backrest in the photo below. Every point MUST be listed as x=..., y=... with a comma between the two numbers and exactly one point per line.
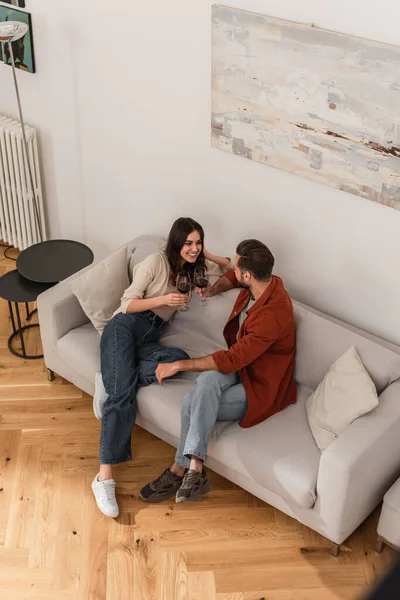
x=321, y=340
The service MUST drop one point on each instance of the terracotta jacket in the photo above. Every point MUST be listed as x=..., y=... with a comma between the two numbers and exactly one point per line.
x=263, y=354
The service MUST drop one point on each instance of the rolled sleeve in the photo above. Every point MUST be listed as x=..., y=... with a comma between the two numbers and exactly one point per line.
x=141, y=278
x=264, y=331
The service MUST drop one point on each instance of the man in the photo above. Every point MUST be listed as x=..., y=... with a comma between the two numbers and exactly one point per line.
x=249, y=382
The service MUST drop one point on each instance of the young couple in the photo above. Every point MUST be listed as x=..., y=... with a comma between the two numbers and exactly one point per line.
x=248, y=382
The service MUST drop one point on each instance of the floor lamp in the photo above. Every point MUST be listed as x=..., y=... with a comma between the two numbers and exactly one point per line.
x=10, y=31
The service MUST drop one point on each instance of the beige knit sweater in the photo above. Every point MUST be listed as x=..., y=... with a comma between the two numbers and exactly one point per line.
x=151, y=278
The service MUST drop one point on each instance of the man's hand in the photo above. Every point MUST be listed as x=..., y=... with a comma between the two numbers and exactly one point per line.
x=165, y=370
x=205, y=292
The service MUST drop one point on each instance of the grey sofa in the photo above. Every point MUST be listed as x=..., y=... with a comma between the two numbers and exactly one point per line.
x=277, y=460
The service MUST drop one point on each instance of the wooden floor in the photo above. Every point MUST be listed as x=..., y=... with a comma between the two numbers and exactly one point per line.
x=56, y=545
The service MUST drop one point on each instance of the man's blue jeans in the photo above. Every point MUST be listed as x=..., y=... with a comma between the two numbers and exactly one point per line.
x=216, y=397
x=130, y=354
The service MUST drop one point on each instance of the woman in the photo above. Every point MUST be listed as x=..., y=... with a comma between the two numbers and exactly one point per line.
x=130, y=351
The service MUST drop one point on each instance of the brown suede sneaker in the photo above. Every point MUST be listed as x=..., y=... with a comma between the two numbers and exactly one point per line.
x=194, y=486
x=162, y=488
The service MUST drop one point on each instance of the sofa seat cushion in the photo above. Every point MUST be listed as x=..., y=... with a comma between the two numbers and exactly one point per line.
x=280, y=454
x=80, y=350
x=161, y=406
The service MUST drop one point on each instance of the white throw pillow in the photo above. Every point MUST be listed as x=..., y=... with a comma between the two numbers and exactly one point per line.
x=100, y=289
x=346, y=393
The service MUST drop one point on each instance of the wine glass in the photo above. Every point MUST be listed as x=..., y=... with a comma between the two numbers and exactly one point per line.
x=201, y=281
x=183, y=285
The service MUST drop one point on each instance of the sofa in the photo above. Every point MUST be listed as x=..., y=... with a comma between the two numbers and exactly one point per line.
x=278, y=460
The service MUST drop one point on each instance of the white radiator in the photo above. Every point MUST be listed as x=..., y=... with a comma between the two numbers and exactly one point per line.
x=17, y=213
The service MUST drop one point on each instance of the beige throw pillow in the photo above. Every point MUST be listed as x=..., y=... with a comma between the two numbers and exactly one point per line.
x=99, y=290
x=346, y=393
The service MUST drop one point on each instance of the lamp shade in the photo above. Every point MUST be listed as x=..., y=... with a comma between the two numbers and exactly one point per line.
x=10, y=31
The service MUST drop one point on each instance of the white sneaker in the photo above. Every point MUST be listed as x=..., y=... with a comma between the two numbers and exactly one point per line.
x=100, y=396
x=104, y=492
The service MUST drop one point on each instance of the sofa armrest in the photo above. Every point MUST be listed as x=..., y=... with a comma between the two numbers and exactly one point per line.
x=360, y=466
x=59, y=311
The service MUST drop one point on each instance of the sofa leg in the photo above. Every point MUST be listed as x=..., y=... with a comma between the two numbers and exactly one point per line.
x=50, y=375
x=379, y=544
x=335, y=550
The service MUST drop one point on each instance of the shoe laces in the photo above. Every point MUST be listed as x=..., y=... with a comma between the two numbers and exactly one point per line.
x=190, y=478
x=159, y=483
x=108, y=490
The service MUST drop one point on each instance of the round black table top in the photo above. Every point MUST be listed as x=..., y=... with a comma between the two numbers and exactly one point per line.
x=54, y=260
x=15, y=288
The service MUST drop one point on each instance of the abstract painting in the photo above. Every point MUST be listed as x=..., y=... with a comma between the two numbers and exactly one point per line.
x=318, y=104
x=23, y=48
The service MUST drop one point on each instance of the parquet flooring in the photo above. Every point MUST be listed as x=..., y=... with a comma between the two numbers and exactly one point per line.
x=55, y=545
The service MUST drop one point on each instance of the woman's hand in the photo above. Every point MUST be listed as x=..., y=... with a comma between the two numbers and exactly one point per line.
x=165, y=370
x=175, y=299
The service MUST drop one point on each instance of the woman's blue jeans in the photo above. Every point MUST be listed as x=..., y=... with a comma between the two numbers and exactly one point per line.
x=130, y=354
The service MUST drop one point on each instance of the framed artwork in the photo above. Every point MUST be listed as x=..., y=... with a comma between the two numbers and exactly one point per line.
x=318, y=104
x=20, y=3
x=23, y=48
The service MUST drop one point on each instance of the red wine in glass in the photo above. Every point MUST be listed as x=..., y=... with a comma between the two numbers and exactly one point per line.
x=201, y=280
x=183, y=285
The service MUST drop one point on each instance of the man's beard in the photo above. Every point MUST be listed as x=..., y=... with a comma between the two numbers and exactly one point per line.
x=243, y=284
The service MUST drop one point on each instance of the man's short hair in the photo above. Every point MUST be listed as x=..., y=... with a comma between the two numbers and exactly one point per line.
x=256, y=258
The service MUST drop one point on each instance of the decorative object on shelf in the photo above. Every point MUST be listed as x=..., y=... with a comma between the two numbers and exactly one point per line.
x=12, y=31
x=22, y=46
x=20, y=3
x=316, y=103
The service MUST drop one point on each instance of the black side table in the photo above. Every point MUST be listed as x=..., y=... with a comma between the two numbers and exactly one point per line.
x=16, y=289
x=54, y=260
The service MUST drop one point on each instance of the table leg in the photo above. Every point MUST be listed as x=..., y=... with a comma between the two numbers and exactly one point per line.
x=12, y=317
x=27, y=311
x=29, y=314
x=20, y=330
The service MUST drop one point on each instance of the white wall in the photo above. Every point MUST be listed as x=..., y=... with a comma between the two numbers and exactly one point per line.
x=122, y=100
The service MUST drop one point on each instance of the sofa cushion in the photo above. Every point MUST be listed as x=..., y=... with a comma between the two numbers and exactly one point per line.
x=321, y=340
x=280, y=454
x=199, y=331
x=80, y=350
x=345, y=393
x=99, y=290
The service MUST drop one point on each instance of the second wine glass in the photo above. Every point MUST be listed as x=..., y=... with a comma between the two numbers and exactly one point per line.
x=183, y=285
x=201, y=281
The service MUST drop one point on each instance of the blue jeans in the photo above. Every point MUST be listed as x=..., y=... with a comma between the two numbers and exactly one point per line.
x=216, y=397
x=130, y=354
